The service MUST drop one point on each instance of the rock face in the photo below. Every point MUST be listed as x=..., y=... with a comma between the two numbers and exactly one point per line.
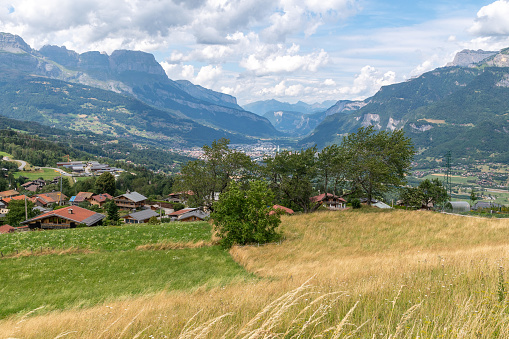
x=469, y=57
x=499, y=60
x=61, y=55
x=13, y=44
x=123, y=61
x=345, y=107
x=208, y=95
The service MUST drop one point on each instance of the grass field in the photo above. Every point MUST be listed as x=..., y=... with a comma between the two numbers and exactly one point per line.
x=359, y=274
x=45, y=173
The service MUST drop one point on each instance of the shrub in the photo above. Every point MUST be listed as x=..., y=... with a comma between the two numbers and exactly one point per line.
x=243, y=217
x=356, y=203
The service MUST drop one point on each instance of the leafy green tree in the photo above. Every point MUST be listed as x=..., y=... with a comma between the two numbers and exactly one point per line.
x=377, y=161
x=4, y=184
x=105, y=183
x=112, y=211
x=212, y=174
x=331, y=167
x=16, y=212
x=473, y=197
x=244, y=217
x=428, y=193
x=153, y=221
x=291, y=176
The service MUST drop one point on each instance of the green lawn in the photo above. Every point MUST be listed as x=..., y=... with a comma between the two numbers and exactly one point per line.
x=105, y=238
x=65, y=281
x=3, y=154
x=45, y=173
x=115, y=269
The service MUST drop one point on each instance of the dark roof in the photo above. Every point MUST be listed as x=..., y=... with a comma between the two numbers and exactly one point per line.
x=82, y=196
x=134, y=196
x=79, y=214
x=486, y=204
x=142, y=215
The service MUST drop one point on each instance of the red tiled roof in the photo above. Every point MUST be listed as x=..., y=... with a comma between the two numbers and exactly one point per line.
x=18, y=197
x=78, y=214
x=182, y=211
x=6, y=229
x=82, y=196
x=321, y=197
x=8, y=193
x=279, y=207
x=102, y=197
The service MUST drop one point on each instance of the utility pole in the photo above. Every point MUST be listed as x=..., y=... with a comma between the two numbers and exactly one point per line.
x=448, y=178
x=26, y=208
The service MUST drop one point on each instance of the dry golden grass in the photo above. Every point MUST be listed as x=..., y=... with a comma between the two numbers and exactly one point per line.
x=162, y=246
x=397, y=274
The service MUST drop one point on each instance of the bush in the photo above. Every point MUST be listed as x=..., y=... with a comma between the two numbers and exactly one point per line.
x=356, y=203
x=153, y=221
x=243, y=217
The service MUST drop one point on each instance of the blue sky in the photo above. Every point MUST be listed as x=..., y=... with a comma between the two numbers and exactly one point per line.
x=290, y=50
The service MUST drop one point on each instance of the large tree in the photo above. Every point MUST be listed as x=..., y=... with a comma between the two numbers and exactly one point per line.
x=377, y=161
x=331, y=168
x=429, y=193
x=291, y=175
x=17, y=211
x=105, y=183
x=210, y=175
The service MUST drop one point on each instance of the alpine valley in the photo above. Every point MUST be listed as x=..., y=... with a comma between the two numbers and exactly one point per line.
x=463, y=107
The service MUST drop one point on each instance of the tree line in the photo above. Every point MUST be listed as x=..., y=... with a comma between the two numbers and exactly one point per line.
x=367, y=164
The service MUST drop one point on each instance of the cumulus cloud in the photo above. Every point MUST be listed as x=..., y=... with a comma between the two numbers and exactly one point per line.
x=283, y=60
x=492, y=20
x=368, y=81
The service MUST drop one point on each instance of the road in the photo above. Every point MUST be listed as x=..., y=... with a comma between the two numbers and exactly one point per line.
x=23, y=163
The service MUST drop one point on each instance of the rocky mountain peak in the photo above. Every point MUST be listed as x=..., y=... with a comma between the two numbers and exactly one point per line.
x=469, y=57
x=124, y=60
x=13, y=44
x=61, y=55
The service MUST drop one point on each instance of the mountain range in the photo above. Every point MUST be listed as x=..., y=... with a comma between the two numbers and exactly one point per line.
x=124, y=93
x=463, y=107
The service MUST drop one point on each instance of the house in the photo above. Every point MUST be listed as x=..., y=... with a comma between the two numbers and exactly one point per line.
x=7, y=229
x=8, y=194
x=188, y=214
x=3, y=207
x=17, y=197
x=285, y=210
x=81, y=197
x=67, y=217
x=330, y=201
x=100, y=199
x=35, y=185
x=48, y=199
x=180, y=197
x=130, y=200
x=140, y=217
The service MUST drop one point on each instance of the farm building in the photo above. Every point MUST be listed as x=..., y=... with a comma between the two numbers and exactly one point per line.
x=329, y=200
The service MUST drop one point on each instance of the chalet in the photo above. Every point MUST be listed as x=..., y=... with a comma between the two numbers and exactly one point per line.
x=67, y=217
x=8, y=194
x=140, y=217
x=7, y=229
x=81, y=197
x=179, y=197
x=48, y=199
x=3, y=207
x=17, y=197
x=130, y=200
x=188, y=214
x=35, y=185
x=100, y=199
x=330, y=201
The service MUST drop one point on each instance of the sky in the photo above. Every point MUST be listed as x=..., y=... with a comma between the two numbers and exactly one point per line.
x=288, y=50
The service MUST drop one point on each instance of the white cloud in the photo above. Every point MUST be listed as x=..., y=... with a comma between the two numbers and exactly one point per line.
x=329, y=82
x=492, y=20
x=368, y=82
x=283, y=60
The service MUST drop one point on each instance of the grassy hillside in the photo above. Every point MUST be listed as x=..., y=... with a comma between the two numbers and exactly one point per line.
x=367, y=273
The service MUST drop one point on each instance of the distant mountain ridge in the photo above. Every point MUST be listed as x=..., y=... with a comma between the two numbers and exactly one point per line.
x=462, y=109
x=135, y=74
x=262, y=107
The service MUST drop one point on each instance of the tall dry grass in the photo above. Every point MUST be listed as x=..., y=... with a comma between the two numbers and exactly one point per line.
x=392, y=274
